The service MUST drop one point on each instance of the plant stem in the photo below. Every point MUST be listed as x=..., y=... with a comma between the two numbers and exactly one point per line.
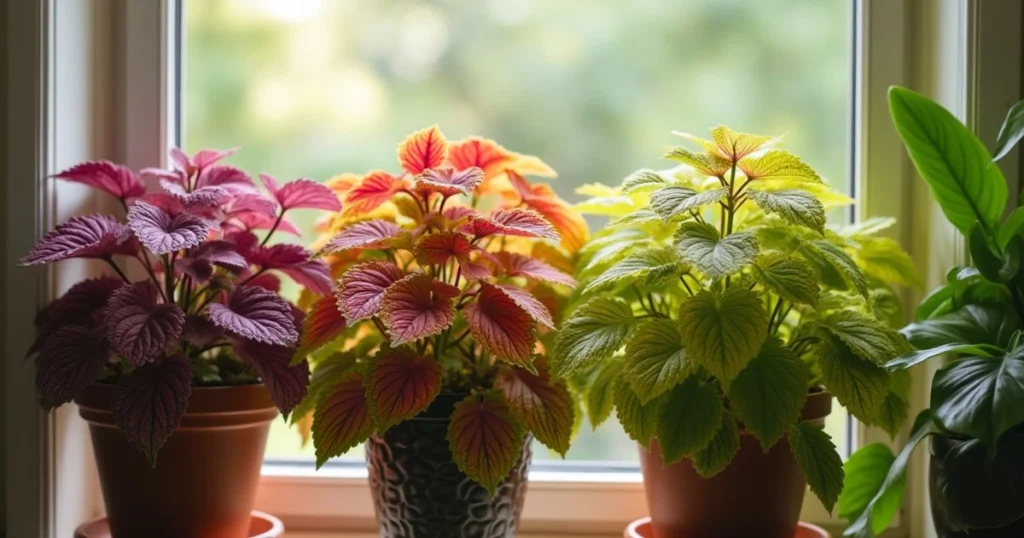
x=277, y=222
x=775, y=312
x=110, y=261
x=144, y=260
x=732, y=199
x=682, y=278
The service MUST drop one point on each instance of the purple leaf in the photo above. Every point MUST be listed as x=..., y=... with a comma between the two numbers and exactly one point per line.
x=161, y=233
x=69, y=361
x=201, y=198
x=200, y=264
x=266, y=281
x=257, y=314
x=366, y=234
x=363, y=286
x=301, y=194
x=159, y=174
x=117, y=180
x=89, y=236
x=200, y=331
x=286, y=384
x=294, y=261
x=139, y=328
x=151, y=401
x=78, y=306
x=257, y=221
x=228, y=177
x=250, y=202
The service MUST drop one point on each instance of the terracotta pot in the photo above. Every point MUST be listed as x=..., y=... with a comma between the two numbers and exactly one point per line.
x=758, y=494
x=419, y=492
x=204, y=484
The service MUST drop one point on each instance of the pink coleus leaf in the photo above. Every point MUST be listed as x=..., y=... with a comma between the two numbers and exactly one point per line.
x=363, y=286
x=474, y=271
x=259, y=221
x=200, y=331
x=519, y=265
x=205, y=158
x=417, y=306
x=301, y=194
x=373, y=190
x=80, y=305
x=459, y=212
x=365, y=234
x=449, y=181
x=150, y=402
x=295, y=262
x=251, y=202
x=438, y=248
x=255, y=313
x=69, y=361
x=161, y=233
x=201, y=198
x=516, y=221
x=530, y=304
x=138, y=326
x=228, y=177
x=501, y=326
x=286, y=383
x=115, y=179
x=199, y=265
x=89, y=236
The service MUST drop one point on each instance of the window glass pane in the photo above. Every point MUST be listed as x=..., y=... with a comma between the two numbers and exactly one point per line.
x=313, y=88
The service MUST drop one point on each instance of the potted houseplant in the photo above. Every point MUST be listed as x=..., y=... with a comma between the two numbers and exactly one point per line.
x=178, y=370
x=439, y=310
x=715, y=310
x=973, y=323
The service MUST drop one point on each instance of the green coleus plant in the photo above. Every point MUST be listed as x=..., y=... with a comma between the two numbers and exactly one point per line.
x=717, y=297
x=974, y=321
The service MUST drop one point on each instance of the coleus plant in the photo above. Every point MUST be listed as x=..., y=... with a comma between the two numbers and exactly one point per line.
x=205, y=309
x=717, y=297
x=974, y=321
x=437, y=294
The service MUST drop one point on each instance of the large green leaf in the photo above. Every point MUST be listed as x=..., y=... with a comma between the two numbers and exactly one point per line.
x=832, y=259
x=1011, y=132
x=715, y=457
x=996, y=268
x=769, y=393
x=951, y=160
x=595, y=330
x=980, y=397
x=971, y=324
x=689, y=420
x=644, y=263
x=723, y=332
x=979, y=489
x=655, y=359
x=600, y=389
x=917, y=356
x=858, y=384
x=817, y=457
x=715, y=256
x=789, y=277
x=869, y=338
x=865, y=473
x=674, y=201
x=1010, y=228
x=639, y=420
x=794, y=206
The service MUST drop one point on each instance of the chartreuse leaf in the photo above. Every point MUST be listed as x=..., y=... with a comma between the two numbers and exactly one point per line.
x=769, y=393
x=640, y=264
x=709, y=164
x=865, y=473
x=866, y=336
x=715, y=256
x=794, y=206
x=735, y=145
x=829, y=256
x=715, y=457
x=674, y=201
x=401, y=384
x=789, y=277
x=951, y=160
x=979, y=489
x=484, y=438
x=723, y=331
x=817, y=457
x=600, y=394
x=980, y=397
x=994, y=268
x=868, y=227
x=342, y=418
x=882, y=258
x=690, y=418
x=540, y=403
x=778, y=166
x=643, y=180
x=655, y=359
x=639, y=420
x=595, y=331
x=858, y=384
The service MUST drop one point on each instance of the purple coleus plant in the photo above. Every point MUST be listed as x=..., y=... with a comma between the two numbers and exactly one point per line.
x=205, y=308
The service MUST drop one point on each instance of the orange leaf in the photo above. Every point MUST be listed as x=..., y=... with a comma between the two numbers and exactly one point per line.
x=424, y=149
x=341, y=183
x=567, y=221
x=373, y=190
x=323, y=324
x=485, y=154
x=401, y=384
x=501, y=326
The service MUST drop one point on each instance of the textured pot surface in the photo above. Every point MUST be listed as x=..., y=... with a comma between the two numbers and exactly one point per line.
x=758, y=494
x=419, y=492
x=204, y=484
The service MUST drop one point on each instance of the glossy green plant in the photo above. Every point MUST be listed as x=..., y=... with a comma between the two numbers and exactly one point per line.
x=718, y=296
x=975, y=320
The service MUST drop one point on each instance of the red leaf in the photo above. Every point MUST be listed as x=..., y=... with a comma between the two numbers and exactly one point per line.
x=485, y=154
x=70, y=359
x=342, y=419
x=294, y=261
x=204, y=198
x=417, y=306
x=301, y=194
x=286, y=383
x=323, y=324
x=257, y=314
x=266, y=281
x=438, y=248
x=151, y=401
x=200, y=331
x=363, y=286
x=540, y=403
x=139, y=328
x=530, y=304
x=200, y=264
x=259, y=221
x=372, y=191
x=423, y=149
x=518, y=222
x=501, y=326
x=90, y=236
x=449, y=181
x=518, y=265
x=251, y=202
x=475, y=271
x=228, y=177
x=484, y=439
x=366, y=234
x=569, y=224
x=80, y=305
x=115, y=179
x=401, y=385
x=161, y=233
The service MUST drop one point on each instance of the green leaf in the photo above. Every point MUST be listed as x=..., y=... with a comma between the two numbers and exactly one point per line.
x=980, y=397
x=326, y=374
x=865, y=473
x=639, y=420
x=716, y=257
x=829, y=256
x=715, y=457
x=674, y=201
x=484, y=439
x=868, y=227
x=723, y=332
x=689, y=419
x=818, y=460
x=859, y=385
x=600, y=399
x=794, y=206
x=882, y=258
x=1011, y=132
x=994, y=267
x=971, y=324
x=951, y=160
x=595, y=331
x=655, y=359
x=1010, y=228
x=778, y=166
x=917, y=356
x=642, y=180
x=869, y=338
x=707, y=163
x=982, y=490
x=638, y=217
x=789, y=277
x=611, y=246
x=640, y=264
x=893, y=414
x=769, y=393
x=342, y=418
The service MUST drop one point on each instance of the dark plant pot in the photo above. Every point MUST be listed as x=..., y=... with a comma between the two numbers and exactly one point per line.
x=204, y=484
x=940, y=446
x=758, y=494
x=419, y=492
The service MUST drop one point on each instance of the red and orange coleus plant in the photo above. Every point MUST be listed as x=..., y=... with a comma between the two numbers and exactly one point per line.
x=205, y=309
x=437, y=294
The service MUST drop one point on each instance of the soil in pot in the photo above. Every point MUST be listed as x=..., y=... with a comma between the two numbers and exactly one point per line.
x=204, y=484
x=758, y=494
x=419, y=492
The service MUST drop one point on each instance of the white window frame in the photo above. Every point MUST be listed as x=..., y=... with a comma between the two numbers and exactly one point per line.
x=964, y=53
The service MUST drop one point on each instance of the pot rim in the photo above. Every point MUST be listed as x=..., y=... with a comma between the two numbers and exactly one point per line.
x=222, y=405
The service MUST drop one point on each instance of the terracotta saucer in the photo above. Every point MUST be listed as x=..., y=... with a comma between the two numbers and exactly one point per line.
x=641, y=528
x=263, y=526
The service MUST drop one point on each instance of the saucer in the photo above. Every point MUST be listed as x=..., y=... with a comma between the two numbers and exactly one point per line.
x=641, y=528
x=263, y=525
